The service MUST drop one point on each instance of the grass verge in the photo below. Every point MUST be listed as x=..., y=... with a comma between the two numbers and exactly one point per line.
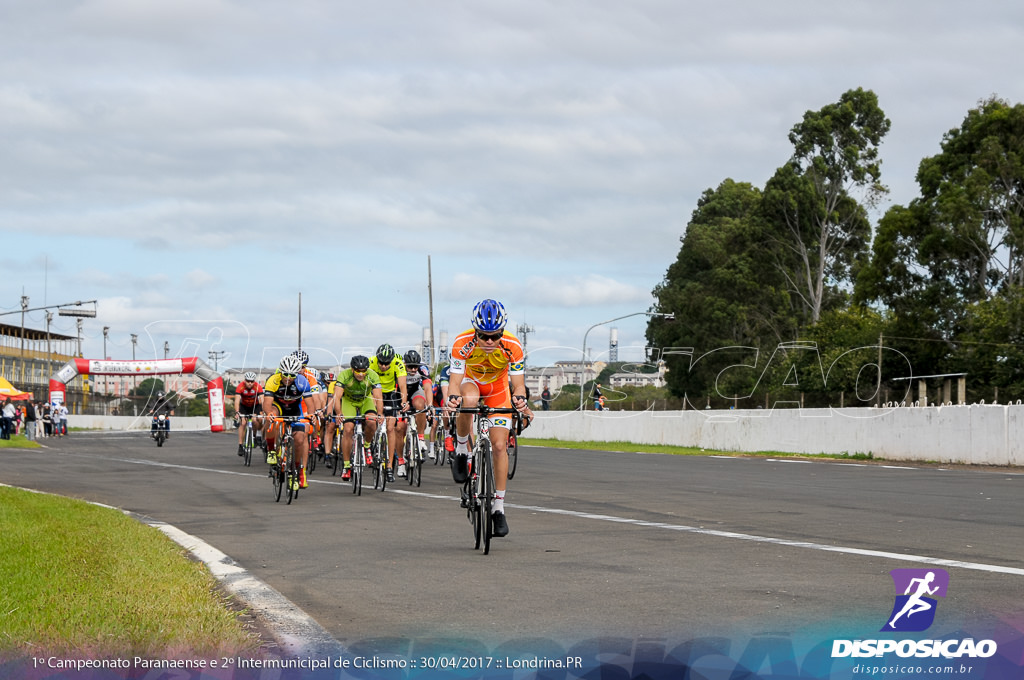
x=681, y=450
x=88, y=581
x=19, y=441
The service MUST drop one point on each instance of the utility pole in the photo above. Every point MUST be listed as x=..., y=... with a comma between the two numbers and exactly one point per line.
x=430, y=304
x=522, y=330
x=24, y=306
x=106, y=385
x=167, y=348
x=135, y=384
x=49, y=358
x=878, y=387
x=300, y=323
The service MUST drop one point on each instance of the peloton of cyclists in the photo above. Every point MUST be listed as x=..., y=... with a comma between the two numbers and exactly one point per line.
x=485, y=360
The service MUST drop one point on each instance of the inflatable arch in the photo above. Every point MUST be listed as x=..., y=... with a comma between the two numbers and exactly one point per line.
x=214, y=382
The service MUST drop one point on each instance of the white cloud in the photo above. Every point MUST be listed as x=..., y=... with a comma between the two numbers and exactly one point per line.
x=577, y=291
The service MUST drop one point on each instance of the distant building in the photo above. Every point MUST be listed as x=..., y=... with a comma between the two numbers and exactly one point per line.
x=634, y=379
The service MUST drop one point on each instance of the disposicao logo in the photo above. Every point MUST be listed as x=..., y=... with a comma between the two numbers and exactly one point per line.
x=914, y=611
x=916, y=590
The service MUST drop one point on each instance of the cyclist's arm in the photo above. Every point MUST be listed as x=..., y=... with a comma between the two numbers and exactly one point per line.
x=378, y=399
x=339, y=392
x=238, y=399
x=519, y=399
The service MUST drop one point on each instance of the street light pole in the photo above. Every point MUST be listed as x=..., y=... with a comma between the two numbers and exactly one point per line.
x=135, y=384
x=106, y=385
x=583, y=363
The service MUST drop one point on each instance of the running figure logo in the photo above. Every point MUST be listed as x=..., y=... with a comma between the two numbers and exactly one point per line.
x=914, y=609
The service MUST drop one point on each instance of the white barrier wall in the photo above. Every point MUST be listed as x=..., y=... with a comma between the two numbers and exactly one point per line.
x=982, y=435
x=184, y=423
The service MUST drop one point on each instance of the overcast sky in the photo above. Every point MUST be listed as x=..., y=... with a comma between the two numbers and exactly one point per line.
x=194, y=165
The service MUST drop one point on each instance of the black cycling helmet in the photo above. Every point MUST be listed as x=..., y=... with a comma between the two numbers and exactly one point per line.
x=385, y=354
x=160, y=394
x=412, y=358
x=360, y=363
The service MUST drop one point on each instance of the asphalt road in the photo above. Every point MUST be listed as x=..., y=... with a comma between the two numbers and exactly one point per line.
x=603, y=545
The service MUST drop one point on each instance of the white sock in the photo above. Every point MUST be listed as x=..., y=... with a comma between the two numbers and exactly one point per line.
x=463, y=445
x=499, y=502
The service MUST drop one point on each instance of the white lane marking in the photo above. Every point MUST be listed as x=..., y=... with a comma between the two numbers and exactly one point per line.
x=920, y=559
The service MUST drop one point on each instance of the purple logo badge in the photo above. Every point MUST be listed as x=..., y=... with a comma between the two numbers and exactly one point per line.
x=916, y=590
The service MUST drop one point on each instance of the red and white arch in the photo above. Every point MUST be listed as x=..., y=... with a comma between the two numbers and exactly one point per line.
x=191, y=365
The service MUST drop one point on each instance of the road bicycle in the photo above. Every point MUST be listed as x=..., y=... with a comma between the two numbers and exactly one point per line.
x=248, y=441
x=315, y=445
x=284, y=473
x=414, y=456
x=443, y=439
x=359, y=462
x=478, y=489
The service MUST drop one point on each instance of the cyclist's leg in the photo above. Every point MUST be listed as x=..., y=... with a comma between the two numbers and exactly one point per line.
x=419, y=403
x=470, y=391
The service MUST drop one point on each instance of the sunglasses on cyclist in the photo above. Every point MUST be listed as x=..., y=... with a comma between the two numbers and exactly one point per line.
x=291, y=376
x=359, y=374
x=492, y=337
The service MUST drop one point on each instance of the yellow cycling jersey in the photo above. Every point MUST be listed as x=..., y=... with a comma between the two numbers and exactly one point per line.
x=389, y=376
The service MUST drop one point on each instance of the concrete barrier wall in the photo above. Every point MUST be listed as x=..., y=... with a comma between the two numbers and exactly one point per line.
x=186, y=423
x=982, y=435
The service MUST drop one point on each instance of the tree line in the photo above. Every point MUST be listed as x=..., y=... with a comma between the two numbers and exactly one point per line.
x=788, y=293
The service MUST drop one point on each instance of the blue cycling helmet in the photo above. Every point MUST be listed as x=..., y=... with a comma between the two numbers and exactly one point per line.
x=489, y=316
x=301, y=356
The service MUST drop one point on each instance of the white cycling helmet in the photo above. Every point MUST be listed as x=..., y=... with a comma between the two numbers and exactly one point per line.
x=290, y=364
x=250, y=376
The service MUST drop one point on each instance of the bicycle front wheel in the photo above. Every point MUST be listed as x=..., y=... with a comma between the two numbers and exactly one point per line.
x=410, y=454
x=513, y=453
x=486, y=493
x=292, y=475
x=250, y=441
x=380, y=456
x=357, y=464
x=277, y=476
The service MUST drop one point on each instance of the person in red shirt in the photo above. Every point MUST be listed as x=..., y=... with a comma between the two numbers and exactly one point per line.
x=486, y=361
x=247, y=404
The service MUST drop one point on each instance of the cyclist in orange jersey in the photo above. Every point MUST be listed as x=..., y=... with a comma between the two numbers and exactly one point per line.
x=486, y=361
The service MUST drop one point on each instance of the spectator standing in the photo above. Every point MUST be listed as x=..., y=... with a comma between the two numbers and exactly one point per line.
x=46, y=416
x=30, y=420
x=62, y=412
x=545, y=399
x=8, y=413
x=596, y=396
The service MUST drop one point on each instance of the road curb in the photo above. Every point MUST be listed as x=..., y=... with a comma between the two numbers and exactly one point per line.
x=297, y=633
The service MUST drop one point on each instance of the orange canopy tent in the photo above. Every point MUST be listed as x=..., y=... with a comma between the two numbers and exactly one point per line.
x=9, y=391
